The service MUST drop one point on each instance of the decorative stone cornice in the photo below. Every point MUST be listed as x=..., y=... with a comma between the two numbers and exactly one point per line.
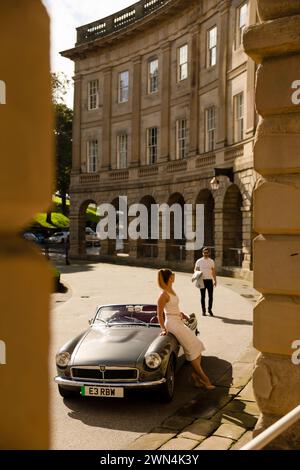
x=273, y=38
x=270, y=10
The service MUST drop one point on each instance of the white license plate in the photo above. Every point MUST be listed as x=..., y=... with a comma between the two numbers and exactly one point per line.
x=116, y=392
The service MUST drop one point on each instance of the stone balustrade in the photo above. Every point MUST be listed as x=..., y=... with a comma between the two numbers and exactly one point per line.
x=119, y=20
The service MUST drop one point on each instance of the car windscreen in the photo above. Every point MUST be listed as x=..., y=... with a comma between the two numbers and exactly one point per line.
x=122, y=314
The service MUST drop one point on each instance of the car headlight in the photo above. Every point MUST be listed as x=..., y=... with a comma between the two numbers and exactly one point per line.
x=62, y=359
x=153, y=360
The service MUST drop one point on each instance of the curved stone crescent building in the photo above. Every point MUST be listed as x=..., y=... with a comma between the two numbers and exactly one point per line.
x=164, y=95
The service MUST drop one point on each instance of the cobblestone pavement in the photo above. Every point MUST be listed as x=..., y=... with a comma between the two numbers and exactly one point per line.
x=222, y=419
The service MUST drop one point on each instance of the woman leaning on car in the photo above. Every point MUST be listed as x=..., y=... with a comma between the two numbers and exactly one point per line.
x=171, y=321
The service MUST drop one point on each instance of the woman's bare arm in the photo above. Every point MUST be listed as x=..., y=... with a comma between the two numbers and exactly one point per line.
x=163, y=299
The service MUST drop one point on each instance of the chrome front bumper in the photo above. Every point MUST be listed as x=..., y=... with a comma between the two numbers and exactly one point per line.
x=75, y=383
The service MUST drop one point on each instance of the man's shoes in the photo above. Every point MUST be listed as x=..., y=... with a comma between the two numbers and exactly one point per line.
x=210, y=312
x=203, y=313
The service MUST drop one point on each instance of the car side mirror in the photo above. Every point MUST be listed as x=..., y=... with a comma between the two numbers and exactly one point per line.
x=90, y=321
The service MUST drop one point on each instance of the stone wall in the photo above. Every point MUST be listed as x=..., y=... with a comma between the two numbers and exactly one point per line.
x=275, y=45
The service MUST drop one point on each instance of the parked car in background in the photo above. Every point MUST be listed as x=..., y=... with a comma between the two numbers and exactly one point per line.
x=59, y=237
x=30, y=236
x=40, y=237
x=91, y=237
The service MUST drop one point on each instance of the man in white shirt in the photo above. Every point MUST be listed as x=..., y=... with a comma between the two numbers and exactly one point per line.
x=207, y=266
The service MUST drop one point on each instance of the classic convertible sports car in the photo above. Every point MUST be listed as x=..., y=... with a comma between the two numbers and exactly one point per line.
x=122, y=349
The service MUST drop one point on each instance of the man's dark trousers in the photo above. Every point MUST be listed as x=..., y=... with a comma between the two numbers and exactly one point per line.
x=208, y=284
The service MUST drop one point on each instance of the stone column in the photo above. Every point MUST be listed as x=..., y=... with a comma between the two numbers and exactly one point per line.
x=136, y=113
x=77, y=236
x=247, y=237
x=222, y=61
x=106, y=131
x=275, y=45
x=251, y=113
x=165, y=80
x=194, y=97
x=26, y=185
x=162, y=251
x=218, y=238
x=76, y=136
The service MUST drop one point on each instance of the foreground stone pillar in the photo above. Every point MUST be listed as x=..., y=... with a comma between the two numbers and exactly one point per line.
x=25, y=188
x=275, y=45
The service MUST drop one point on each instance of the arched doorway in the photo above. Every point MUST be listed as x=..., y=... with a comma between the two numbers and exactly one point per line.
x=148, y=248
x=205, y=197
x=175, y=245
x=232, y=227
x=83, y=234
x=118, y=245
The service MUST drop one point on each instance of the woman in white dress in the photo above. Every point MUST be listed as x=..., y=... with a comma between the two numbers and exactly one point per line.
x=171, y=321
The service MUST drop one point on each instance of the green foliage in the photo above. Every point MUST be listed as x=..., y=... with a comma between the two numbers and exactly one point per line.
x=59, y=220
x=63, y=136
x=91, y=215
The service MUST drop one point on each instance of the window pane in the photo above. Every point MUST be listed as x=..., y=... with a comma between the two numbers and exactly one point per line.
x=153, y=76
x=213, y=37
x=183, y=71
x=212, y=46
x=122, y=150
x=93, y=90
x=181, y=138
x=239, y=117
x=213, y=57
x=92, y=161
x=123, y=86
x=152, y=145
x=183, y=54
x=243, y=15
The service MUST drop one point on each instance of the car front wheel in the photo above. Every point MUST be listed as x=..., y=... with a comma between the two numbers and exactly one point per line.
x=167, y=389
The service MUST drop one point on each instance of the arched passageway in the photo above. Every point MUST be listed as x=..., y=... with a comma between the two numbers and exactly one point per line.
x=232, y=227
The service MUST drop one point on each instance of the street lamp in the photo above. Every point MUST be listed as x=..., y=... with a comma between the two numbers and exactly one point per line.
x=221, y=172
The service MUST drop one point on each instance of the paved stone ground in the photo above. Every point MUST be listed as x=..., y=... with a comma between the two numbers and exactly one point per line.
x=222, y=419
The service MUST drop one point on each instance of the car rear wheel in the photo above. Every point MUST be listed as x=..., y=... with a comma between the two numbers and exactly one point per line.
x=167, y=389
x=65, y=393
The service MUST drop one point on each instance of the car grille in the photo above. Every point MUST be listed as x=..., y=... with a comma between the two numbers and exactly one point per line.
x=110, y=374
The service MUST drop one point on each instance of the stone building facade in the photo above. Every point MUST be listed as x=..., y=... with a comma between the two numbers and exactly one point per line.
x=164, y=94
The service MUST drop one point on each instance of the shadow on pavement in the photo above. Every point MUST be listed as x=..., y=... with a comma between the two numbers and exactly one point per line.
x=234, y=321
x=140, y=411
x=75, y=268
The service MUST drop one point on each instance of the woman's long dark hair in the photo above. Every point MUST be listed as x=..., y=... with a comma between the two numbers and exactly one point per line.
x=163, y=278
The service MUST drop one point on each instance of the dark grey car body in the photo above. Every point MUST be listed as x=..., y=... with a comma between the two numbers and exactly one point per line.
x=113, y=355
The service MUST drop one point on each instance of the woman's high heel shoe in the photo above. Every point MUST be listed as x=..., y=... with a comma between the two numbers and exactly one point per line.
x=201, y=384
x=197, y=382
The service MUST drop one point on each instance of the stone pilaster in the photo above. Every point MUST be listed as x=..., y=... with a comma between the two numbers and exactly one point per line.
x=251, y=67
x=222, y=61
x=77, y=236
x=162, y=251
x=247, y=237
x=274, y=44
x=194, y=98
x=106, y=131
x=136, y=112
x=76, y=135
x=219, y=238
x=165, y=79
